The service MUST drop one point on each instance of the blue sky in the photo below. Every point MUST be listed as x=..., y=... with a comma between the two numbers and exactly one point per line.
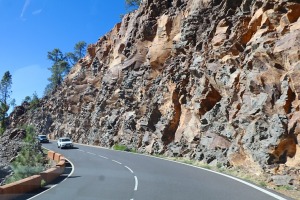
x=31, y=28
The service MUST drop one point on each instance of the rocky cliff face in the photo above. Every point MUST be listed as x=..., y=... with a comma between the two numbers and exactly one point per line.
x=10, y=145
x=212, y=80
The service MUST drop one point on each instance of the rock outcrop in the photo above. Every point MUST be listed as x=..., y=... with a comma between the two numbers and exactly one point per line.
x=212, y=80
x=10, y=145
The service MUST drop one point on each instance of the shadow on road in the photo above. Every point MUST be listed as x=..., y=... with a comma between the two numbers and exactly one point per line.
x=69, y=148
x=74, y=176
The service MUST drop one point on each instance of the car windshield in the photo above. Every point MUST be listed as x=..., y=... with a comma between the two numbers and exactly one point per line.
x=43, y=137
x=65, y=140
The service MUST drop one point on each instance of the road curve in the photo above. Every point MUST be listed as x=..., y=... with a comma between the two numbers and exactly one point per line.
x=104, y=174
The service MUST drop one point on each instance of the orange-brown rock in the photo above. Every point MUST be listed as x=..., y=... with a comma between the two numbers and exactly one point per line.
x=216, y=81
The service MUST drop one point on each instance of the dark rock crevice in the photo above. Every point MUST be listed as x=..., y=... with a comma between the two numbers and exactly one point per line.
x=169, y=133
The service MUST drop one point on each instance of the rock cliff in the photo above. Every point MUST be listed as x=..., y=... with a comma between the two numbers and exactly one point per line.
x=10, y=145
x=212, y=80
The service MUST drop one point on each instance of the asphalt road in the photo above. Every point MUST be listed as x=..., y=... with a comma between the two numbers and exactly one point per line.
x=102, y=174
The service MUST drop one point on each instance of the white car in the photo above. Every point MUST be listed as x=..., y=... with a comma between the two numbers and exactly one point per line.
x=64, y=142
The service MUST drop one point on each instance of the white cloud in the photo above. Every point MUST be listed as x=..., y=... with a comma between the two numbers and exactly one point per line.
x=26, y=4
x=27, y=80
x=36, y=12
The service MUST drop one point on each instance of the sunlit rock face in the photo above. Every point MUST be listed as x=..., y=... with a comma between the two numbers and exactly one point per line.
x=212, y=80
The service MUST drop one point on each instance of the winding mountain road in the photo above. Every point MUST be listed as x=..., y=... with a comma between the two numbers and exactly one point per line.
x=104, y=174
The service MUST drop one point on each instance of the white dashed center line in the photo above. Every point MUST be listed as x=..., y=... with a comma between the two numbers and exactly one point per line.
x=136, y=183
x=102, y=157
x=129, y=169
x=116, y=162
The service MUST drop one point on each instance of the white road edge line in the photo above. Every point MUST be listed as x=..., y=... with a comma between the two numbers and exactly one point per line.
x=116, y=162
x=231, y=177
x=236, y=179
x=103, y=157
x=73, y=169
x=136, y=183
x=91, y=153
x=129, y=169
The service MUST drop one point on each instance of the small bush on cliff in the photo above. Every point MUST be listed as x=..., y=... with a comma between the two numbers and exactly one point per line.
x=32, y=101
x=30, y=160
x=133, y=3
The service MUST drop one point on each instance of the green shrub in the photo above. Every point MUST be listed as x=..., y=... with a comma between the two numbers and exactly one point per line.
x=190, y=162
x=30, y=159
x=284, y=187
x=30, y=134
x=120, y=147
x=133, y=3
x=263, y=184
x=206, y=166
x=133, y=151
x=2, y=130
x=43, y=183
x=34, y=103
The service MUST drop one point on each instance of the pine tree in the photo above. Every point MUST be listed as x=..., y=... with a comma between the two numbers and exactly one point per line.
x=59, y=69
x=55, y=55
x=133, y=3
x=79, y=52
x=62, y=65
x=5, y=92
x=5, y=87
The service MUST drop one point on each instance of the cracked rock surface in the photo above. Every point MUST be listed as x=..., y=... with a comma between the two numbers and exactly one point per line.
x=211, y=80
x=10, y=145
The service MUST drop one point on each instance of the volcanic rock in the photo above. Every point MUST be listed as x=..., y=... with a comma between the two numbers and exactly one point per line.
x=212, y=80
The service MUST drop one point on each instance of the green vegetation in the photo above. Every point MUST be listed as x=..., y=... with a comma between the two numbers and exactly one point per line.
x=219, y=165
x=30, y=160
x=33, y=101
x=43, y=183
x=263, y=184
x=284, y=187
x=189, y=162
x=79, y=51
x=121, y=147
x=5, y=92
x=133, y=3
x=59, y=69
x=62, y=64
x=234, y=171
